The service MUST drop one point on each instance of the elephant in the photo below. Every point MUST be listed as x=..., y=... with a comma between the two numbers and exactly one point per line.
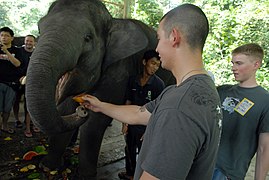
x=82, y=49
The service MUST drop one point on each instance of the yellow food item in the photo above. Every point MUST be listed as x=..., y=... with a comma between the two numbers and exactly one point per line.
x=68, y=170
x=31, y=166
x=8, y=139
x=53, y=172
x=78, y=99
x=24, y=169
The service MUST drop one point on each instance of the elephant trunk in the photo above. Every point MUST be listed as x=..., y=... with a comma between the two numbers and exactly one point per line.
x=41, y=85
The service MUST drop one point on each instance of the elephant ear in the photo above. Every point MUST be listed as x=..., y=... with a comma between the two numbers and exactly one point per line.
x=125, y=39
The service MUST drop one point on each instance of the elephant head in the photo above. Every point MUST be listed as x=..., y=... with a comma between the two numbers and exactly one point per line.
x=79, y=44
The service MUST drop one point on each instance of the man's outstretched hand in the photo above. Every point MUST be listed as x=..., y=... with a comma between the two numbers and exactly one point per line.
x=91, y=102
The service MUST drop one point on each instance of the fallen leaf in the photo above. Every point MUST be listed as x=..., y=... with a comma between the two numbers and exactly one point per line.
x=43, y=153
x=39, y=149
x=74, y=160
x=8, y=139
x=53, y=172
x=34, y=176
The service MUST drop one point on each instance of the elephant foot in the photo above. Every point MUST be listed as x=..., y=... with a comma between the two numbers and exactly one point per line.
x=79, y=176
x=48, y=165
x=44, y=168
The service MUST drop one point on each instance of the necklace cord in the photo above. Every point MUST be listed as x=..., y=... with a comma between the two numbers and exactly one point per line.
x=182, y=79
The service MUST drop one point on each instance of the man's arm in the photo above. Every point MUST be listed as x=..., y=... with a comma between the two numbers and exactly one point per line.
x=11, y=58
x=147, y=176
x=124, y=128
x=262, y=157
x=130, y=114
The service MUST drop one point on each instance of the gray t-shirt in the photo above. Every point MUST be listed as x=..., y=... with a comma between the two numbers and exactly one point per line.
x=182, y=136
x=245, y=116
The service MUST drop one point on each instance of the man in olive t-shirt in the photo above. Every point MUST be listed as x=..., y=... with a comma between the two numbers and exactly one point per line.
x=245, y=118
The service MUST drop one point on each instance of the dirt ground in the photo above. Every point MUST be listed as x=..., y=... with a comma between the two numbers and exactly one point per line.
x=14, y=146
x=12, y=151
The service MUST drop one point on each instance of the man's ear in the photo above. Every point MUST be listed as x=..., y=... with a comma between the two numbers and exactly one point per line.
x=144, y=62
x=257, y=64
x=175, y=37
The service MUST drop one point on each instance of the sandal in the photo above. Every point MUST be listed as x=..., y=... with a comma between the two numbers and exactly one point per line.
x=9, y=131
x=28, y=134
x=36, y=129
x=123, y=175
x=18, y=124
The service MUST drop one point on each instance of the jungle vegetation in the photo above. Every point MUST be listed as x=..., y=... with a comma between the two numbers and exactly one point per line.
x=232, y=23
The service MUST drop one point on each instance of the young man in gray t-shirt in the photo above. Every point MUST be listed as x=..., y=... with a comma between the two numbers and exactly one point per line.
x=184, y=122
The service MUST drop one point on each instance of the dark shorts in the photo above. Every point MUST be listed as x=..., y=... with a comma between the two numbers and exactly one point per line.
x=218, y=175
x=21, y=90
x=7, y=98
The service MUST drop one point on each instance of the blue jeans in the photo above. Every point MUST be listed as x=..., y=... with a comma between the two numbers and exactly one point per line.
x=218, y=175
x=7, y=98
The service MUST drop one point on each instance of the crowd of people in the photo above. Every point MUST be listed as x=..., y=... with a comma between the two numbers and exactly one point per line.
x=190, y=130
x=13, y=67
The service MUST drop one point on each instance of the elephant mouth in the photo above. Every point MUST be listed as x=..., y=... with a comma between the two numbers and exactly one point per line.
x=48, y=119
x=65, y=88
x=60, y=95
x=60, y=88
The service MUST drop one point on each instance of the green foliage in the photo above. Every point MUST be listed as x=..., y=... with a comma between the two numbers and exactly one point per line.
x=232, y=23
x=115, y=7
x=235, y=23
x=148, y=11
x=4, y=20
x=22, y=16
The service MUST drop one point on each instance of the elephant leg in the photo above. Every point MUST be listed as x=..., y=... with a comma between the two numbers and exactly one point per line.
x=58, y=143
x=57, y=147
x=91, y=136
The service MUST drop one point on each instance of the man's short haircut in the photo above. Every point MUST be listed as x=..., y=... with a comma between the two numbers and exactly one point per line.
x=151, y=54
x=7, y=29
x=30, y=35
x=191, y=21
x=251, y=49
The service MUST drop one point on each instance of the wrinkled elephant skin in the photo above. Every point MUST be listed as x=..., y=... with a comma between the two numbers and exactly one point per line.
x=81, y=48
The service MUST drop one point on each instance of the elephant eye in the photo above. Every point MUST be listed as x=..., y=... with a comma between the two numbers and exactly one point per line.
x=88, y=37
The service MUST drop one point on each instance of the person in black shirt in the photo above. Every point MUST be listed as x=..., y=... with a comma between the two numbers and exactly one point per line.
x=10, y=61
x=26, y=50
x=141, y=89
